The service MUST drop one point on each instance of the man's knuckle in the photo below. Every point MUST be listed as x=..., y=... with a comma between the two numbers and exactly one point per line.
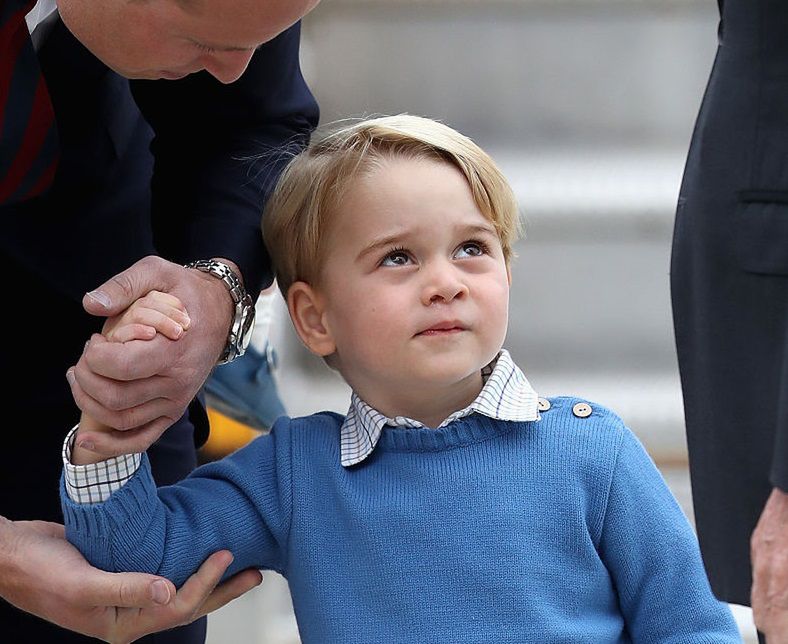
x=126, y=594
x=124, y=283
x=149, y=261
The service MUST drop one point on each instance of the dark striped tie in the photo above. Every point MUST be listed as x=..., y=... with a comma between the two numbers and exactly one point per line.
x=28, y=134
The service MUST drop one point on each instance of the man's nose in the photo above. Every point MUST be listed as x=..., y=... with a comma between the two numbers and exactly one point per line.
x=443, y=283
x=227, y=66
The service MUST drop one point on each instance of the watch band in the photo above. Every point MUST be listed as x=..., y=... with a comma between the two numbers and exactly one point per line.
x=243, y=319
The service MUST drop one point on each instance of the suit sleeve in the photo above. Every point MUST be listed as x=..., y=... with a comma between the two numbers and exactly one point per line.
x=219, y=150
x=778, y=474
x=241, y=503
x=654, y=559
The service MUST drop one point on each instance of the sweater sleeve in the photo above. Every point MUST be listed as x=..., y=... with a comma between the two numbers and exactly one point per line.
x=241, y=503
x=654, y=559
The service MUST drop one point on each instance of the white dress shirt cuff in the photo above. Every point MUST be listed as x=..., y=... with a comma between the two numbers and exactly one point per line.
x=95, y=482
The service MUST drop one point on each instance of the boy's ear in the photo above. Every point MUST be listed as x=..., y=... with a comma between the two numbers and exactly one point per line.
x=306, y=307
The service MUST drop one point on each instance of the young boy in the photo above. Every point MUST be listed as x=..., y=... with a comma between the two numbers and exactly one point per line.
x=450, y=504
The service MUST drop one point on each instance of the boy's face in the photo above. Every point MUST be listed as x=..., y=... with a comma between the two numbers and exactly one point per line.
x=415, y=288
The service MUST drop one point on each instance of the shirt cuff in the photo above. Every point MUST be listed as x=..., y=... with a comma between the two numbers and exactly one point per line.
x=95, y=482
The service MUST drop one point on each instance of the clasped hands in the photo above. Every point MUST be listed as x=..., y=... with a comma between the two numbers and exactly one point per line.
x=141, y=388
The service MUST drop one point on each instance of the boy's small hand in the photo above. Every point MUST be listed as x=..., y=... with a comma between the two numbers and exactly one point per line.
x=154, y=313
x=157, y=312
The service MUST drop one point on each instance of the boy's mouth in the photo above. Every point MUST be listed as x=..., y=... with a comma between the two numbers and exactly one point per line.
x=443, y=328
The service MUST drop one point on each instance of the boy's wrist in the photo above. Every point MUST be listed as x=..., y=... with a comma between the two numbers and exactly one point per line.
x=79, y=454
x=82, y=456
x=94, y=481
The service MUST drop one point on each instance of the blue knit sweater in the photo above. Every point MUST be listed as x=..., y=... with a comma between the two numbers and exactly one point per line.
x=558, y=530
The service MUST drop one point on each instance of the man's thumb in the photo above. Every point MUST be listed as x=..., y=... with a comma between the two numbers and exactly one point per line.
x=132, y=590
x=119, y=292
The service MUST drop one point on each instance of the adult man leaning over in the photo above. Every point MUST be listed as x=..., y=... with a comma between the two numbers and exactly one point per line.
x=98, y=172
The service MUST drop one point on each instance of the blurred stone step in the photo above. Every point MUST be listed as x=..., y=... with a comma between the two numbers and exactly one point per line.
x=606, y=193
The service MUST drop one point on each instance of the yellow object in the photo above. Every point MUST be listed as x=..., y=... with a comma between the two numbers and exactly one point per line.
x=227, y=435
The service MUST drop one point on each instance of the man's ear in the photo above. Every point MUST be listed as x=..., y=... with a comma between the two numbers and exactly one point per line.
x=306, y=307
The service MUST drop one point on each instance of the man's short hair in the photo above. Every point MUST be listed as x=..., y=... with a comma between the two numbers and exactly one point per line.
x=311, y=187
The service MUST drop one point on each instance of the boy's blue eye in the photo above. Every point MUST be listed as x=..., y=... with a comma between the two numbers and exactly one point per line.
x=470, y=249
x=396, y=258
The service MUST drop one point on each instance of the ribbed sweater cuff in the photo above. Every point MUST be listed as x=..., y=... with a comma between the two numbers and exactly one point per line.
x=128, y=510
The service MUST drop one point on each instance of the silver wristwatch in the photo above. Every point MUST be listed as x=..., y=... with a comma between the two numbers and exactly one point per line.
x=243, y=320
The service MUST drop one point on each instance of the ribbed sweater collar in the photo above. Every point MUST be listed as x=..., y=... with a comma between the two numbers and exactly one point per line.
x=459, y=433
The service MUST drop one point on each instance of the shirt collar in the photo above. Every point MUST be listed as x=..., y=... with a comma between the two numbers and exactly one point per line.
x=506, y=395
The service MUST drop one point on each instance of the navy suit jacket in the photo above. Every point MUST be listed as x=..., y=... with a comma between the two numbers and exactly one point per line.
x=177, y=168
x=181, y=169
x=729, y=282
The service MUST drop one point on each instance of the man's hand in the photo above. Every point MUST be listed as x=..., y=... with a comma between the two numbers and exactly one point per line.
x=155, y=313
x=41, y=573
x=144, y=387
x=769, y=553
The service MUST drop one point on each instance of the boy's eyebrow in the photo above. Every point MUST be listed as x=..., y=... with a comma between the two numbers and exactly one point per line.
x=380, y=243
x=480, y=228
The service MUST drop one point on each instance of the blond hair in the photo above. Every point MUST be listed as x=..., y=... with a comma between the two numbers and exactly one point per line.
x=311, y=187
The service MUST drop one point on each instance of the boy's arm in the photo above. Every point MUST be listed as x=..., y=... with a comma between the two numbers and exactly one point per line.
x=654, y=560
x=241, y=504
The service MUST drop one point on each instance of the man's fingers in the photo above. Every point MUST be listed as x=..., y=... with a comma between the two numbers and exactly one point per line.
x=769, y=555
x=119, y=292
x=127, y=589
x=201, y=584
x=136, y=417
x=117, y=395
x=231, y=589
x=196, y=597
x=130, y=361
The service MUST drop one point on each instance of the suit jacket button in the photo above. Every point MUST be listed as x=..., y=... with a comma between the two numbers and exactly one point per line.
x=582, y=410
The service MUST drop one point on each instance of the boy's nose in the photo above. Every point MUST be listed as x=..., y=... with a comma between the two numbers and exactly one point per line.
x=443, y=285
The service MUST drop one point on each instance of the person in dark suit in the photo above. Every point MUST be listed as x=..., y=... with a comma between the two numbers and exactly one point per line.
x=729, y=283
x=108, y=186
